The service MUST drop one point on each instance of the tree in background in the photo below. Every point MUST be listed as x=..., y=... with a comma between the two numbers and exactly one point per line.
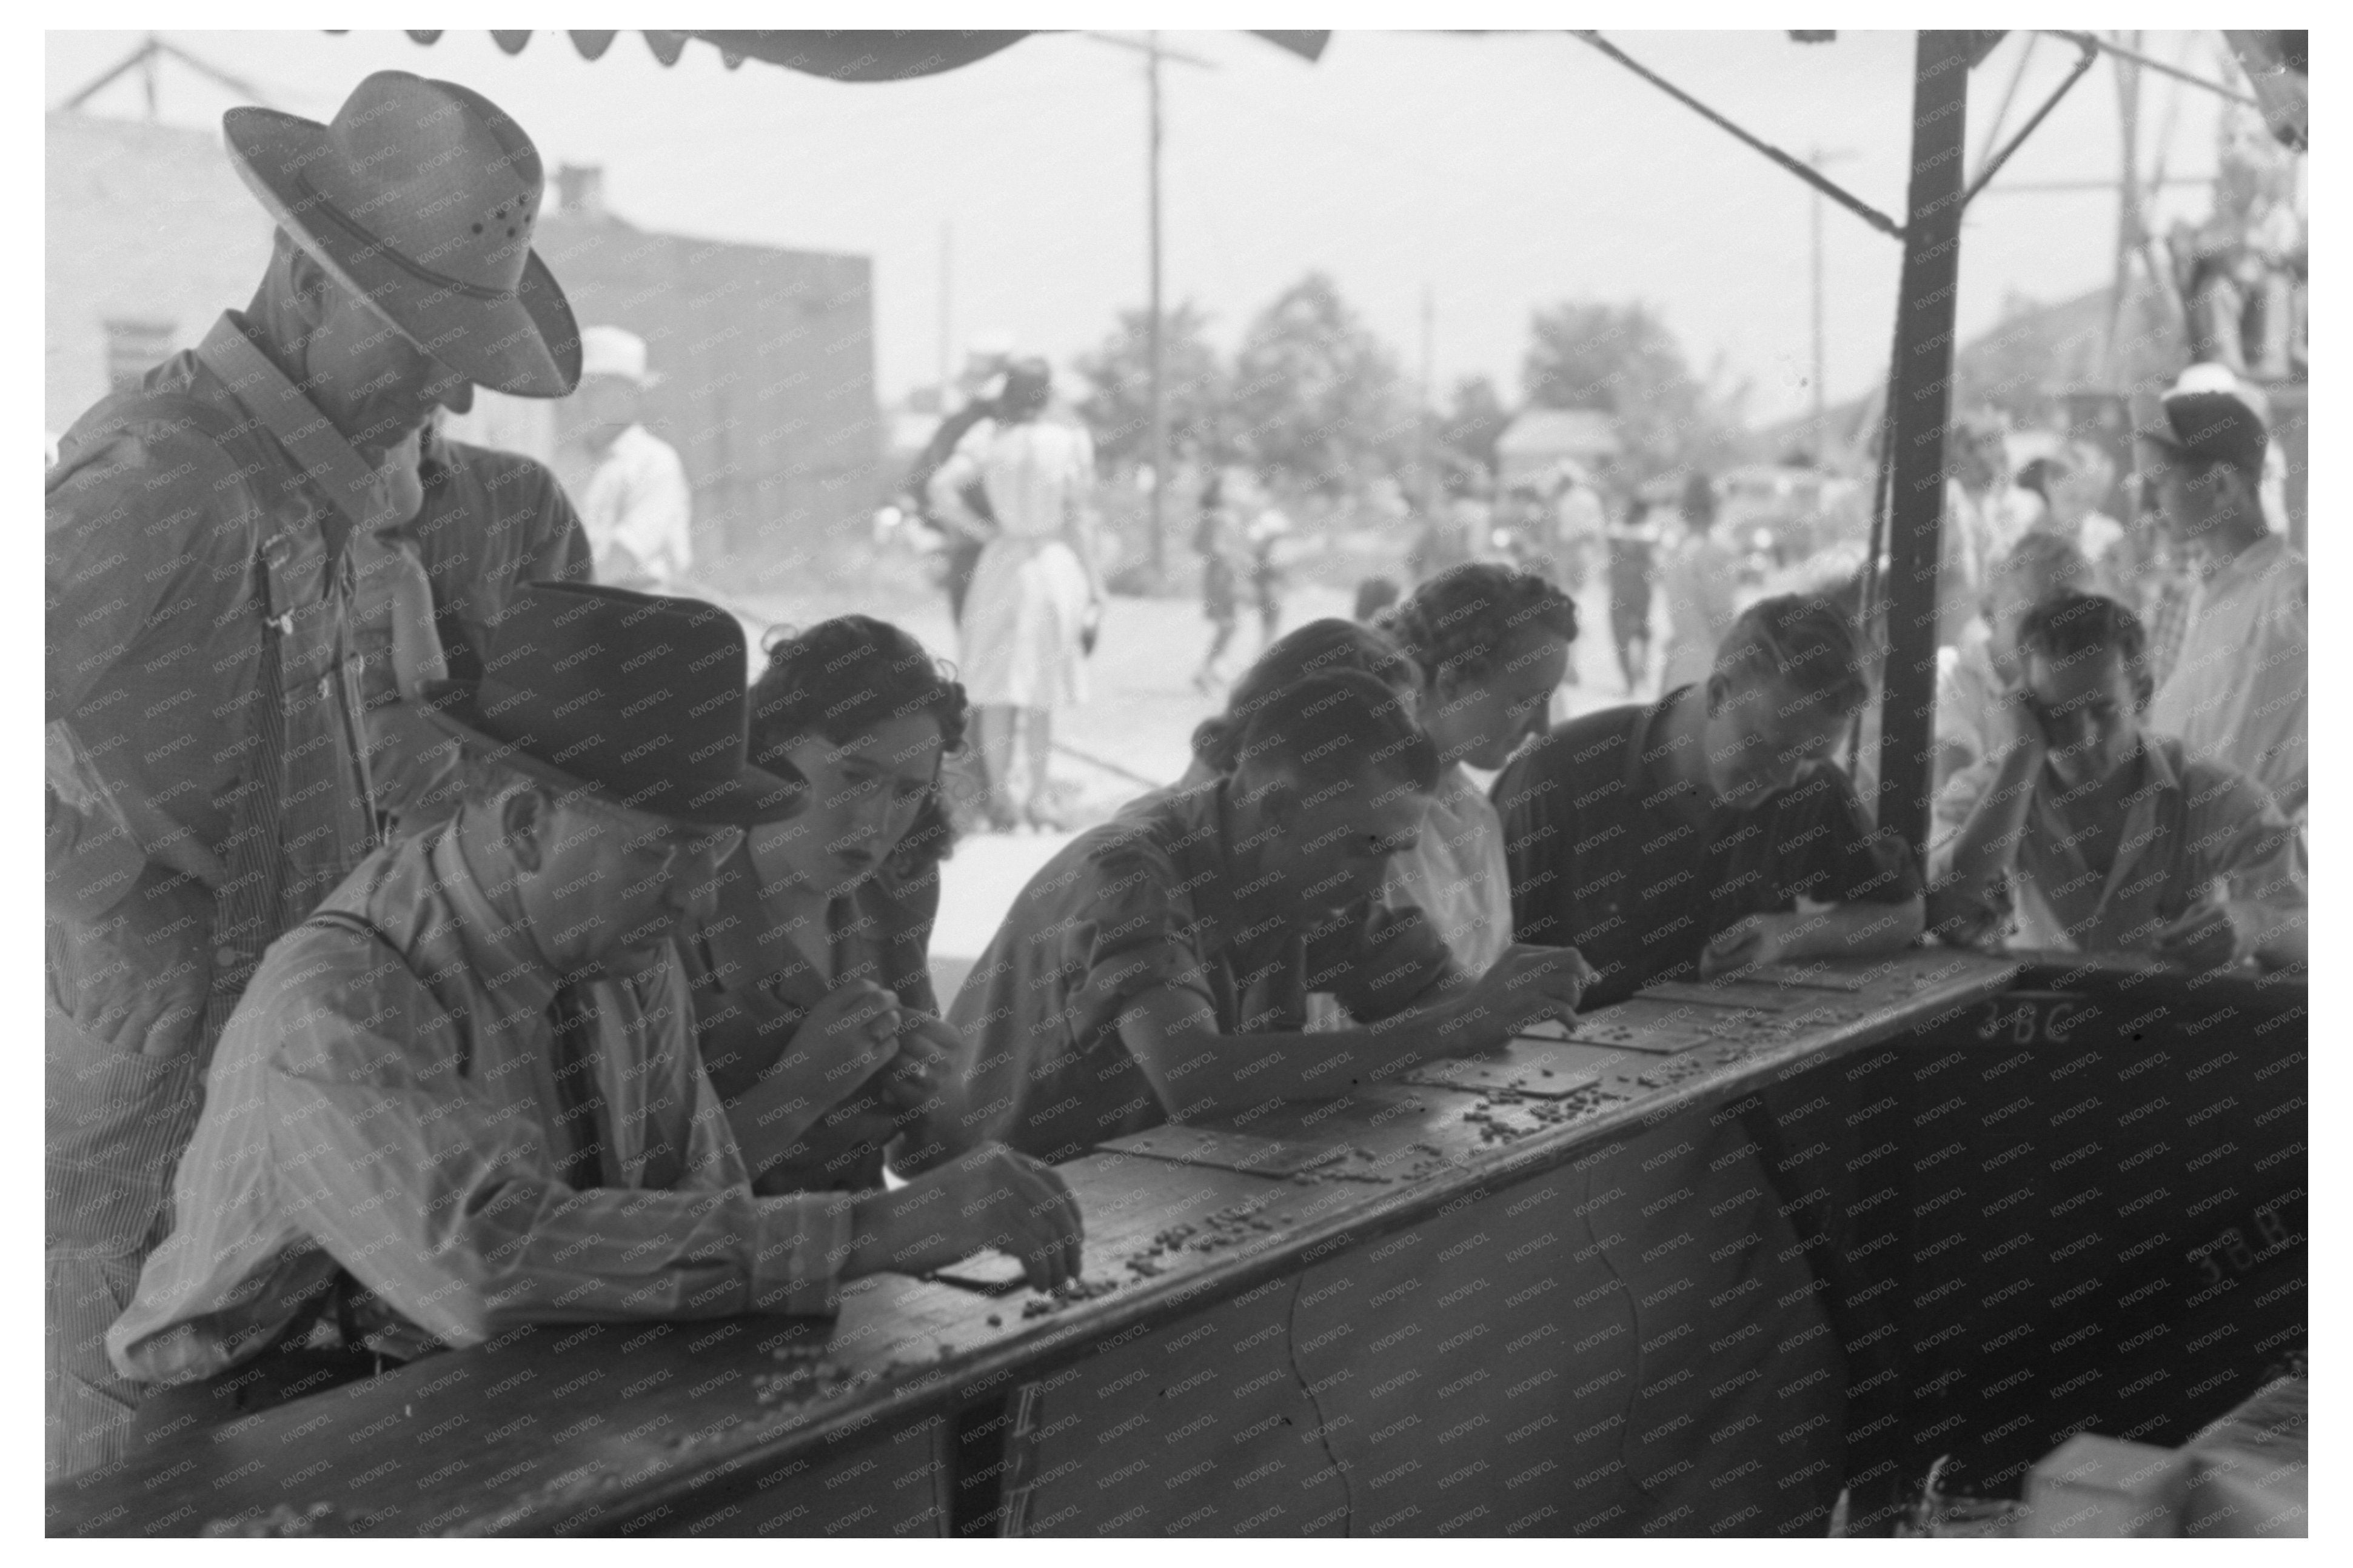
x=1624, y=360
x=1317, y=397
x=1469, y=428
x=1118, y=407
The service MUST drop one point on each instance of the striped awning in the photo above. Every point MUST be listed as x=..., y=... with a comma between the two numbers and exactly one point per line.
x=841, y=56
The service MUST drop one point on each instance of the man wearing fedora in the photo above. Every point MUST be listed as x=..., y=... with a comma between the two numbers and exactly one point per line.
x=206, y=783
x=464, y=1094
x=627, y=482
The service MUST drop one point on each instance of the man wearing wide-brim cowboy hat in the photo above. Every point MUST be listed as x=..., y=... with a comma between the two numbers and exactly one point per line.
x=205, y=787
x=484, y=1039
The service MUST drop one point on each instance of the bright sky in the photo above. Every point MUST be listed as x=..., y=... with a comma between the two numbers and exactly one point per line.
x=1502, y=171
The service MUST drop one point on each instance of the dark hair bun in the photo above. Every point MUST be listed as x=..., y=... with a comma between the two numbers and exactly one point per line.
x=1466, y=620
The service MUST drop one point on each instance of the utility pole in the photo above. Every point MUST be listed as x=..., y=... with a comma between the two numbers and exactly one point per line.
x=1818, y=159
x=1159, y=392
x=1154, y=52
x=2128, y=221
x=1428, y=464
x=947, y=321
x=1821, y=405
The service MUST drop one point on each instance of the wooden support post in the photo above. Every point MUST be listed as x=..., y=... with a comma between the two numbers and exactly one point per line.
x=1921, y=396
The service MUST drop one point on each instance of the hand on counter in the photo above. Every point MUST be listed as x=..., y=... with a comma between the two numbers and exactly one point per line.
x=2208, y=935
x=990, y=1197
x=1747, y=943
x=1526, y=986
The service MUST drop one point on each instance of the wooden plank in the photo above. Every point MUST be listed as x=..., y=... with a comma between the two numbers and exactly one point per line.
x=585, y=1428
x=1737, y=996
x=1200, y=1427
x=1223, y=1149
x=1534, y=1067
x=1524, y=1365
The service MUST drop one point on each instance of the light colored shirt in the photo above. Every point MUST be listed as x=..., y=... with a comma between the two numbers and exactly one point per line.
x=1037, y=475
x=636, y=496
x=1978, y=530
x=1455, y=874
x=391, y=1108
x=1970, y=695
x=1701, y=582
x=2236, y=693
x=2191, y=829
x=2097, y=536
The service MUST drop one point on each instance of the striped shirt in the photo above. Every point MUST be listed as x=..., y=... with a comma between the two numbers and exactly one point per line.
x=2238, y=692
x=391, y=1108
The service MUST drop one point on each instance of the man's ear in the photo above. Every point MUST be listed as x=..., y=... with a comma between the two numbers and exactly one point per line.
x=521, y=816
x=310, y=289
x=1718, y=689
x=2246, y=493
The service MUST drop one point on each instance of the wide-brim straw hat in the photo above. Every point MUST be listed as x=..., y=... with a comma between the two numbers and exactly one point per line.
x=421, y=197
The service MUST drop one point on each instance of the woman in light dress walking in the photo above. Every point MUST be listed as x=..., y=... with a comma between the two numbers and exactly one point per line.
x=1699, y=577
x=1036, y=594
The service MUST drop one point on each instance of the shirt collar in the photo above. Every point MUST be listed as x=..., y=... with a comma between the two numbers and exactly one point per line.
x=501, y=958
x=309, y=437
x=2135, y=834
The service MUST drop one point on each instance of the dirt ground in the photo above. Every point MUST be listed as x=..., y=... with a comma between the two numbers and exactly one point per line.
x=1139, y=718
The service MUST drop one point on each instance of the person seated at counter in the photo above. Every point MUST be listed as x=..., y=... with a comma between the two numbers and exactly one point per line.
x=1159, y=967
x=464, y=1095
x=2085, y=831
x=811, y=978
x=1493, y=644
x=1709, y=833
x=1324, y=647
x=1975, y=680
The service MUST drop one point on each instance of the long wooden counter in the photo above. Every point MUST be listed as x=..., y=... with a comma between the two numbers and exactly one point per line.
x=1258, y=1276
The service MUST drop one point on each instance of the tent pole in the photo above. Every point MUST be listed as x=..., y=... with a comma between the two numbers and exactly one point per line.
x=1921, y=396
x=1158, y=347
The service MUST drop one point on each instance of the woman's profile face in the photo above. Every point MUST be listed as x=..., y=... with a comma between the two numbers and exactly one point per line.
x=863, y=795
x=1481, y=721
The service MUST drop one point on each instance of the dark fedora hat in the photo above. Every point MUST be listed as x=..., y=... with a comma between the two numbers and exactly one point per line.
x=421, y=197
x=633, y=698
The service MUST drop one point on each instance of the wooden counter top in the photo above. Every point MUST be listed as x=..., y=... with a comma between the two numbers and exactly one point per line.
x=586, y=1426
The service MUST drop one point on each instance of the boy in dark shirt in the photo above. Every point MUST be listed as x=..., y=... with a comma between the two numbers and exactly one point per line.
x=1709, y=833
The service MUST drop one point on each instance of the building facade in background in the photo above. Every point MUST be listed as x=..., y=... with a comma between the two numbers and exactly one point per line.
x=766, y=355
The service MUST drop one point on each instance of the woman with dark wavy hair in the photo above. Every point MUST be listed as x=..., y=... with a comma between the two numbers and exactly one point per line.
x=813, y=1009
